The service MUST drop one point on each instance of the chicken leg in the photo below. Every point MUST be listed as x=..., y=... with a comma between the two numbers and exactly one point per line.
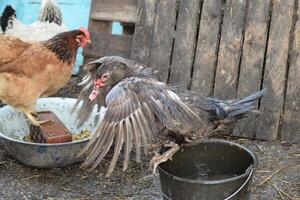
x=158, y=158
x=33, y=120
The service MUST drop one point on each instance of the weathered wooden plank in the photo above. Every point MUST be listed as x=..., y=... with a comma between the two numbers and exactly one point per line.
x=113, y=10
x=163, y=35
x=100, y=26
x=106, y=45
x=255, y=39
x=143, y=31
x=275, y=69
x=230, y=49
x=97, y=27
x=208, y=42
x=185, y=39
x=291, y=121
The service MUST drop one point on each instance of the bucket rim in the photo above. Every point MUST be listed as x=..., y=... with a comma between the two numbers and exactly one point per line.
x=210, y=182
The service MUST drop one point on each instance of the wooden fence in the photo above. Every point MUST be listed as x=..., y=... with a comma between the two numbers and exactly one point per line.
x=225, y=49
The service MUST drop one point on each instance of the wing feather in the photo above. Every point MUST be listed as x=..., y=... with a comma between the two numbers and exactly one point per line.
x=150, y=117
x=97, y=143
x=142, y=131
x=137, y=138
x=107, y=145
x=118, y=146
x=133, y=108
x=128, y=143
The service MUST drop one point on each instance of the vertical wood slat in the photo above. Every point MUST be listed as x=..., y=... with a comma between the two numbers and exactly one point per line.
x=100, y=26
x=141, y=44
x=185, y=39
x=208, y=41
x=275, y=69
x=291, y=121
x=96, y=27
x=252, y=61
x=229, y=51
x=163, y=34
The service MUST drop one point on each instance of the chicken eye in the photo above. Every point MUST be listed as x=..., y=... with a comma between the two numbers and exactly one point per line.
x=104, y=76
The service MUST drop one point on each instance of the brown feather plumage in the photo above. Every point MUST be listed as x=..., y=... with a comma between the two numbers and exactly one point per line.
x=31, y=70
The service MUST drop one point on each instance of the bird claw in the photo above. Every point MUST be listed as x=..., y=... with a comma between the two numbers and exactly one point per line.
x=34, y=121
x=161, y=158
x=38, y=123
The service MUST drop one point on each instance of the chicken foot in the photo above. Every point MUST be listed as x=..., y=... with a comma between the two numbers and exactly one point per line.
x=34, y=121
x=160, y=158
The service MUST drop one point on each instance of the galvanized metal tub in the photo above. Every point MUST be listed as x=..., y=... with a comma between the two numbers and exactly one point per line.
x=14, y=126
x=211, y=170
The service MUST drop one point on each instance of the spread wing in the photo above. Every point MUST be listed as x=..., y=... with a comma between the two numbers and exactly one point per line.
x=83, y=106
x=133, y=108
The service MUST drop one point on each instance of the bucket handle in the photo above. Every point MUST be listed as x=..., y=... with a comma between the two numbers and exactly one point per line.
x=250, y=170
x=157, y=187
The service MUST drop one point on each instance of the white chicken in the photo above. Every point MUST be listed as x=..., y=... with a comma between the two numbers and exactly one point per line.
x=48, y=24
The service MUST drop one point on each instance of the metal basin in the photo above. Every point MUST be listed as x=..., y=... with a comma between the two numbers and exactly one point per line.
x=14, y=126
x=210, y=170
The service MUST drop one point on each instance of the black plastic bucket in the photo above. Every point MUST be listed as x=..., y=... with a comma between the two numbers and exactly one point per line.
x=211, y=170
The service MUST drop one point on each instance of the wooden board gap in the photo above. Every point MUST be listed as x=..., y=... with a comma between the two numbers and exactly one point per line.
x=173, y=39
x=241, y=49
x=217, y=49
x=171, y=59
x=177, y=13
x=196, y=43
x=266, y=49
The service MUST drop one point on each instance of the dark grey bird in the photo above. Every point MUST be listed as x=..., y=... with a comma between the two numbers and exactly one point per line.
x=140, y=111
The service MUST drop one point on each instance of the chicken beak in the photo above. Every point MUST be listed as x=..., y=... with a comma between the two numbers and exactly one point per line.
x=89, y=41
x=97, y=85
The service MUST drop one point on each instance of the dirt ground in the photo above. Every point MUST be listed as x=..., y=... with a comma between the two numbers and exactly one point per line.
x=276, y=177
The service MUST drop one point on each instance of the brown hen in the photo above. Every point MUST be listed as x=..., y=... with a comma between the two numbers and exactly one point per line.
x=29, y=71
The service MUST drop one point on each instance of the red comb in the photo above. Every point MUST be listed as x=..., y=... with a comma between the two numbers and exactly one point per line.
x=85, y=31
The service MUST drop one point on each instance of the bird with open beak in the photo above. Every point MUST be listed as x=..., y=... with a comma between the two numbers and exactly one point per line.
x=138, y=108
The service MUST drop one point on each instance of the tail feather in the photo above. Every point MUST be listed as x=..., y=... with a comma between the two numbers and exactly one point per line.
x=220, y=109
x=8, y=15
x=50, y=12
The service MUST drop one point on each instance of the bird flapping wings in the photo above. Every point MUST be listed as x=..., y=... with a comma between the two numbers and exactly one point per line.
x=83, y=105
x=139, y=105
x=134, y=106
